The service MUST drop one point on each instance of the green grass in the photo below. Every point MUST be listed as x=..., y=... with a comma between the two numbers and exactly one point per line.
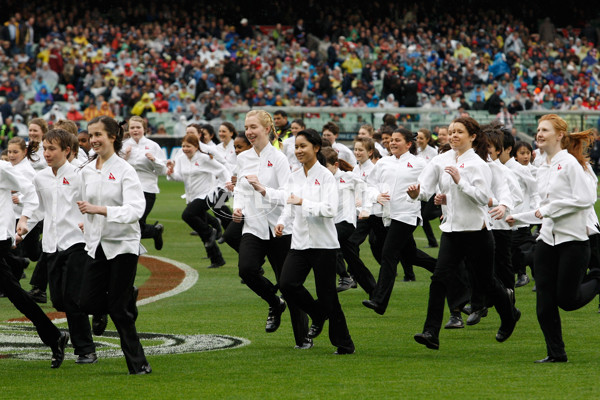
x=387, y=364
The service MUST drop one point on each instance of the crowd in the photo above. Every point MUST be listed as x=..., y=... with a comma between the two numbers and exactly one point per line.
x=80, y=62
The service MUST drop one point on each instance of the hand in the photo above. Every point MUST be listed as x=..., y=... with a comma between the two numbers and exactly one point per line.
x=150, y=157
x=253, y=180
x=490, y=202
x=229, y=186
x=538, y=214
x=15, y=199
x=279, y=230
x=22, y=226
x=127, y=152
x=383, y=198
x=413, y=191
x=18, y=239
x=440, y=199
x=80, y=225
x=364, y=214
x=234, y=179
x=295, y=200
x=358, y=203
x=237, y=215
x=453, y=172
x=510, y=220
x=87, y=208
x=170, y=167
x=498, y=212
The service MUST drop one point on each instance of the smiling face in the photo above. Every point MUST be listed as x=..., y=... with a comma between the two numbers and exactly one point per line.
x=398, y=144
x=188, y=149
x=295, y=128
x=136, y=130
x=327, y=134
x=15, y=153
x=305, y=152
x=102, y=144
x=443, y=136
x=385, y=140
x=548, y=139
x=225, y=134
x=421, y=140
x=35, y=133
x=460, y=139
x=257, y=134
x=240, y=145
x=361, y=153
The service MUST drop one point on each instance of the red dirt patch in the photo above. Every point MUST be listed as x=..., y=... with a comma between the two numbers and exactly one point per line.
x=163, y=277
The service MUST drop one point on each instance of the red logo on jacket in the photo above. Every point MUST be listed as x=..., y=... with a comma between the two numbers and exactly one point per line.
x=269, y=164
x=65, y=181
x=317, y=182
x=147, y=148
x=408, y=165
x=197, y=165
x=342, y=180
x=559, y=167
x=111, y=177
x=462, y=165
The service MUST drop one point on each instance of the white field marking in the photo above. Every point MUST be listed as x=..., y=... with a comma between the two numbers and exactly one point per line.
x=191, y=277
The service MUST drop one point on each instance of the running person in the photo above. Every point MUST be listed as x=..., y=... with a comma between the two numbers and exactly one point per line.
x=112, y=204
x=147, y=158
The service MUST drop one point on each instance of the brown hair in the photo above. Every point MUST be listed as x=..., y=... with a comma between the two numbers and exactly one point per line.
x=368, y=128
x=137, y=118
x=41, y=123
x=230, y=128
x=576, y=143
x=480, y=144
x=331, y=157
x=66, y=125
x=29, y=150
x=368, y=144
x=331, y=127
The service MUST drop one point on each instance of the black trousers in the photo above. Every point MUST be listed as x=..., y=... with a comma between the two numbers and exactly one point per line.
x=399, y=244
x=523, y=248
x=233, y=235
x=296, y=268
x=363, y=229
x=430, y=211
x=502, y=268
x=39, y=276
x=349, y=249
x=148, y=231
x=65, y=276
x=559, y=279
x=107, y=288
x=9, y=285
x=220, y=208
x=251, y=256
x=196, y=216
x=477, y=250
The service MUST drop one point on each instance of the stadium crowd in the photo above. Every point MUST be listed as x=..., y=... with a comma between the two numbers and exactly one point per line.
x=76, y=62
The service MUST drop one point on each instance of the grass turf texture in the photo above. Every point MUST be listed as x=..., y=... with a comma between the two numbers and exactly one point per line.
x=387, y=364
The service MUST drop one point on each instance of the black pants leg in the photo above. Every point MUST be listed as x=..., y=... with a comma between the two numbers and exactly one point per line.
x=39, y=277
x=195, y=216
x=233, y=235
x=477, y=249
x=356, y=267
x=251, y=256
x=364, y=227
x=220, y=208
x=397, y=236
x=327, y=306
x=148, y=231
x=503, y=258
x=559, y=276
x=65, y=276
x=522, y=245
x=429, y=211
x=47, y=331
x=108, y=288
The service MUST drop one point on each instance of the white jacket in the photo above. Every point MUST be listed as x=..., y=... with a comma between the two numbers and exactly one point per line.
x=148, y=171
x=199, y=175
x=12, y=180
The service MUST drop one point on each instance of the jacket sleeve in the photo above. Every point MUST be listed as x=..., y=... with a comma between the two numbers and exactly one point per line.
x=583, y=195
x=477, y=189
x=133, y=205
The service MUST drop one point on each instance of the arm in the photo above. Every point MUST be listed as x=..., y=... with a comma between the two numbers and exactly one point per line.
x=134, y=202
x=478, y=189
x=326, y=205
x=583, y=195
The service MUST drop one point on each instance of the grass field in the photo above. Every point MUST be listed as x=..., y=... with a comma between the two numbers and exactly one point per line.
x=387, y=364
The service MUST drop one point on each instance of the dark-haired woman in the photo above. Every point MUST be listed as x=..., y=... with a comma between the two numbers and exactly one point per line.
x=262, y=173
x=389, y=181
x=312, y=206
x=288, y=146
x=562, y=251
x=227, y=135
x=199, y=171
x=464, y=180
x=113, y=202
x=147, y=158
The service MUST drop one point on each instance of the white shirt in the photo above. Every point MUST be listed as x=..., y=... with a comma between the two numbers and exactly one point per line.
x=82, y=156
x=148, y=171
x=228, y=152
x=344, y=153
x=39, y=162
x=539, y=158
x=515, y=192
x=12, y=180
x=199, y=175
x=381, y=149
x=394, y=175
x=466, y=208
x=592, y=219
x=528, y=186
x=289, y=149
x=58, y=195
x=362, y=171
x=117, y=187
x=262, y=212
x=313, y=224
x=349, y=185
x=26, y=170
x=427, y=154
x=567, y=194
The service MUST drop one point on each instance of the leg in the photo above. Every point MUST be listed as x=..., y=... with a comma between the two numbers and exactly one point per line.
x=148, y=231
x=252, y=253
x=348, y=238
x=572, y=293
x=379, y=232
x=233, y=235
x=293, y=275
x=196, y=217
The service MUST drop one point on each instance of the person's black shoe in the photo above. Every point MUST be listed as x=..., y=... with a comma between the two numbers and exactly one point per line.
x=212, y=239
x=194, y=233
x=455, y=322
x=99, y=323
x=475, y=316
x=467, y=309
x=145, y=370
x=217, y=264
x=409, y=278
x=345, y=284
x=315, y=329
x=432, y=245
x=522, y=281
x=344, y=350
x=427, y=339
x=373, y=305
x=552, y=359
x=158, y=239
x=274, y=318
x=38, y=295
x=58, y=352
x=90, y=358
x=306, y=344
x=505, y=332
x=221, y=240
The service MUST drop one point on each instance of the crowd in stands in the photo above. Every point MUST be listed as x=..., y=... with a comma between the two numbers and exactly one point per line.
x=77, y=62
